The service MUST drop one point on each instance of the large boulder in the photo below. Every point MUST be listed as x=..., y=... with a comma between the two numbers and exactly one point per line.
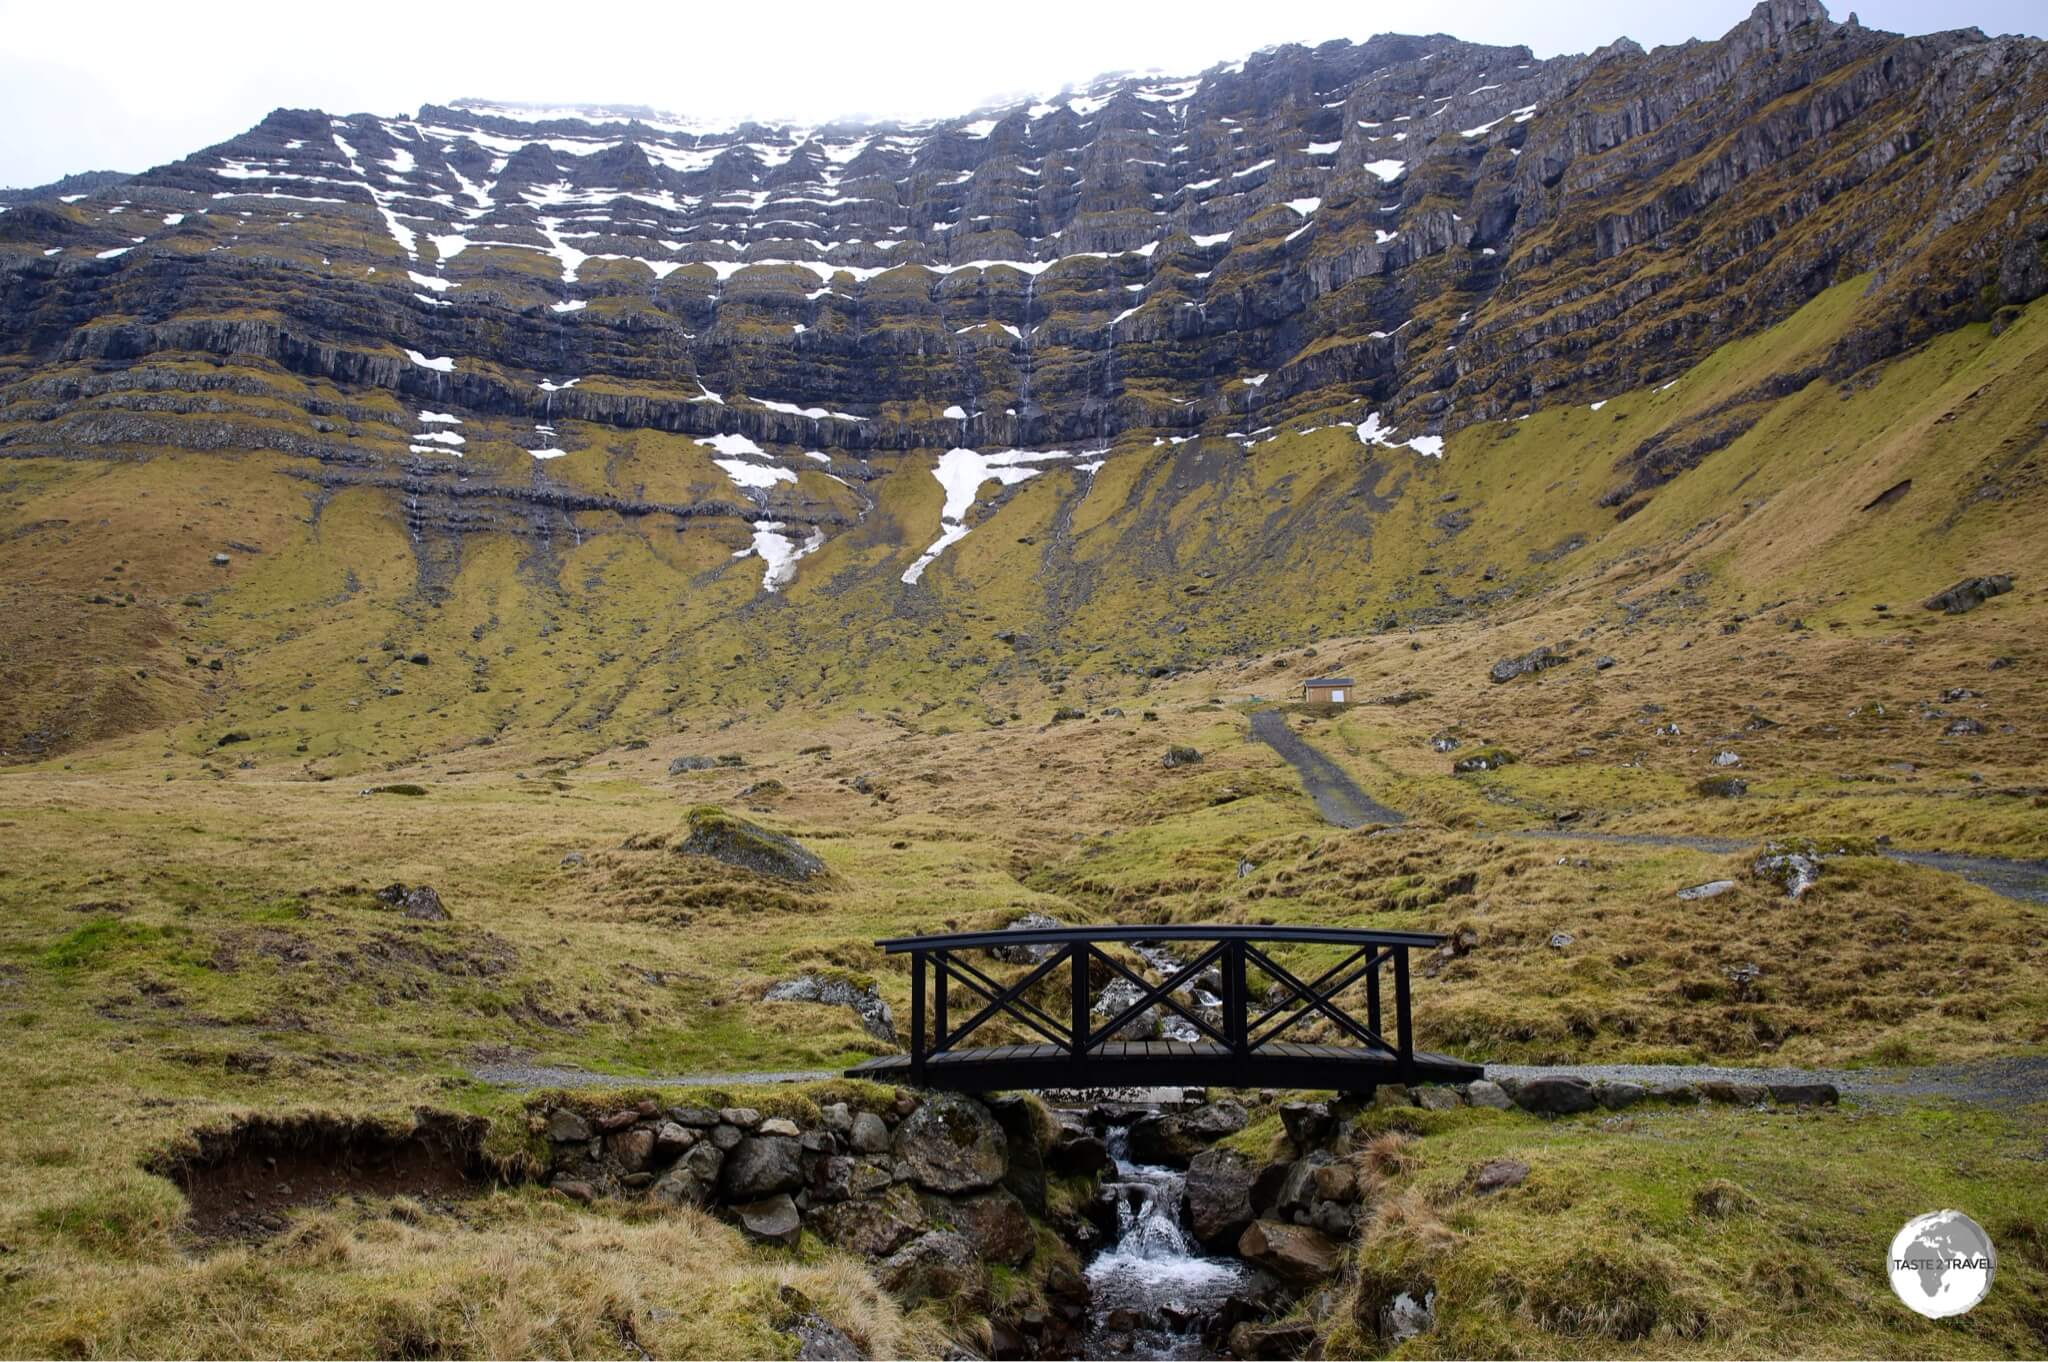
x=1293, y=1253
x=1535, y=660
x=865, y=1000
x=1791, y=866
x=873, y=1228
x=994, y=1222
x=1077, y=1149
x=938, y=1265
x=760, y=1166
x=736, y=842
x=418, y=902
x=1025, y=953
x=1173, y=1141
x=1219, y=1192
x=1968, y=594
x=952, y=1144
x=1556, y=1095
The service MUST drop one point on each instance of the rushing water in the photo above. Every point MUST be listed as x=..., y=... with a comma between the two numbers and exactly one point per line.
x=1154, y=1270
x=1172, y=1026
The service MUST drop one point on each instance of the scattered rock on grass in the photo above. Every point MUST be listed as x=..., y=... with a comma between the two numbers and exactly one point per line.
x=1711, y=889
x=1497, y=1175
x=418, y=902
x=1793, y=868
x=722, y=837
x=1968, y=594
x=1179, y=756
x=865, y=1000
x=1535, y=660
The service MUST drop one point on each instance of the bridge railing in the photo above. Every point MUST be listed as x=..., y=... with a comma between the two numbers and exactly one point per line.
x=1240, y=1026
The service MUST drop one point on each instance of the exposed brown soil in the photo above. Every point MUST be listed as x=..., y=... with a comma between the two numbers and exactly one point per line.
x=241, y=1181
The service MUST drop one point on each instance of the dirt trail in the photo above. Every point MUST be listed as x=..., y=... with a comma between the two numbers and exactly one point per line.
x=1337, y=795
x=1343, y=803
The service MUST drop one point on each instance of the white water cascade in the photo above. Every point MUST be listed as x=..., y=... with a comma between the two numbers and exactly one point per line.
x=1155, y=1270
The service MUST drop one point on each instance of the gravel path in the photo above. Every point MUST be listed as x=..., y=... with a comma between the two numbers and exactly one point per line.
x=1337, y=795
x=2015, y=1082
x=551, y=1076
x=1341, y=801
x=2026, y=881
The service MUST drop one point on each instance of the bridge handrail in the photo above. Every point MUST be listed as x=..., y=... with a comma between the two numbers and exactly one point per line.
x=1063, y=936
x=1233, y=949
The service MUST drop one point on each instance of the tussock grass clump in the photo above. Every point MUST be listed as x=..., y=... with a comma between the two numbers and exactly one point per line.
x=527, y=1276
x=1720, y=1199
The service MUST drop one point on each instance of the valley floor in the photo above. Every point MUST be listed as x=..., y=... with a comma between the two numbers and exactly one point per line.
x=178, y=953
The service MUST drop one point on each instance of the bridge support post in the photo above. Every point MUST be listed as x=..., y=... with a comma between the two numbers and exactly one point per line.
x=940, y=1027
x=1236, y=1001
x=1405, y=1036
x=917, y=1046
x=1077, y=956
x=1372, y=992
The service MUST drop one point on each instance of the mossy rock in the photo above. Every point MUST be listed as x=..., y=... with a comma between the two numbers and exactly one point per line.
x=1722, y=787
x=1488, y=758
x=716, y=834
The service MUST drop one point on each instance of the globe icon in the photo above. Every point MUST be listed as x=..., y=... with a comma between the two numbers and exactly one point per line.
x=1941, y=1264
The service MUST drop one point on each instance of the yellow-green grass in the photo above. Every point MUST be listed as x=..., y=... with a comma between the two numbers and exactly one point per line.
x=1695, y=1233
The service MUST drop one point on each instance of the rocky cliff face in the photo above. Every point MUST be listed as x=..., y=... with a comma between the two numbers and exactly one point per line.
x=1439, y=230
x=753, y=329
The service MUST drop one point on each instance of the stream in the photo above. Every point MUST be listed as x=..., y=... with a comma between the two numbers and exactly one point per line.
x=1153, y=1289
x=1121, y=993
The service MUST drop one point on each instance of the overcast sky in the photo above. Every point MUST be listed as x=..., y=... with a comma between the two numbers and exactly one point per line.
x=132, y=85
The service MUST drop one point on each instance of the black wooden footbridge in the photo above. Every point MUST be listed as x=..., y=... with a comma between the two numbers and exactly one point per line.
x=1234, y=1040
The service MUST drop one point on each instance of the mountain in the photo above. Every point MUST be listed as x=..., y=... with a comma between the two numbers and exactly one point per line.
x=83, y=183
x=608, y=417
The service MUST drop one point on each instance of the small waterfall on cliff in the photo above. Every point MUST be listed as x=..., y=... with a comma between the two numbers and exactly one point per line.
x=1152, y=1289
